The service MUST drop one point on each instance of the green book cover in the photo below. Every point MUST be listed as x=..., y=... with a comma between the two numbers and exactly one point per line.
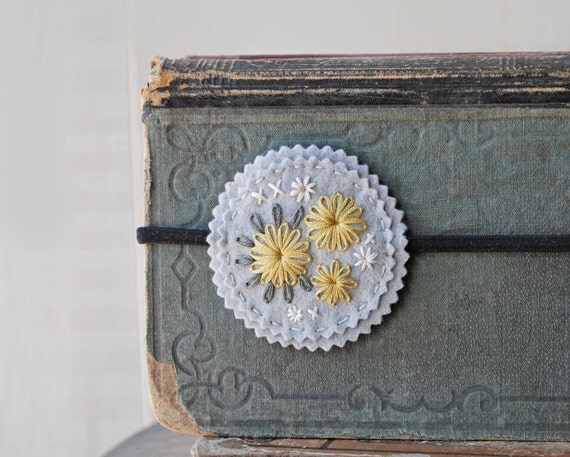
x=476, y=347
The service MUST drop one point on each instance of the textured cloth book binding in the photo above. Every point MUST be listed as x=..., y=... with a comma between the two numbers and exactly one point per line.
x=359, y=247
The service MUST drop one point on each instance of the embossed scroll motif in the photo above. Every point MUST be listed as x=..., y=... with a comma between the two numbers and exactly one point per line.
x=192, y=181
x=307, y=248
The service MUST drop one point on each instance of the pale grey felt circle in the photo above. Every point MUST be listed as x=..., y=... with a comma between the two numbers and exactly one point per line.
x=272, y=176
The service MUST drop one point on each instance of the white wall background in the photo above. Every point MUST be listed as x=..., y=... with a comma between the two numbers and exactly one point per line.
x=71, y=339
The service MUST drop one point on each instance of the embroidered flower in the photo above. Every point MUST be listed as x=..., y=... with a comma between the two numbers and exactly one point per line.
x=335, y=222
x=294, y=314
x=277, y=255
x=365, y=258
x=302, y=189
x=333, y=283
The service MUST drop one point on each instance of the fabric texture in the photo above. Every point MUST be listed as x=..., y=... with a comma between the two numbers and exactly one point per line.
x=307, y=248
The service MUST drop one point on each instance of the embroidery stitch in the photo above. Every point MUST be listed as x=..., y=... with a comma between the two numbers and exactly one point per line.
x=365, y=258
x=253, y=281
x=276, y=188
x=302, y=189
x=314, y=313
x=298, y=217
x=269, y=293
x=335, y=222
x=244, y=241
x=277, y=255
x=294, y=314
x=370, y=239
x=259, y=196
x=333, y=283
x=256, y=222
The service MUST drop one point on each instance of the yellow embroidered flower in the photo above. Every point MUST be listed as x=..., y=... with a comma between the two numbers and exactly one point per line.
x=279, y=255
x=333, y=283
x=335, y=222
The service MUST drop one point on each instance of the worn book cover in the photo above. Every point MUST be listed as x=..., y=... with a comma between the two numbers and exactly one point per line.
x=474, y=344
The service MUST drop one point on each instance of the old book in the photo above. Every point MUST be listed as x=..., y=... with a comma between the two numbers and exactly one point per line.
x=474, y=149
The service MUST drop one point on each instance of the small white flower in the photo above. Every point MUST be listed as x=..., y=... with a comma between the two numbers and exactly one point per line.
x=302, y=189
x=365, y=258
x=276, y=188
x=314, y=313
x=294, y=314
x=259, y=196
x=369, y=239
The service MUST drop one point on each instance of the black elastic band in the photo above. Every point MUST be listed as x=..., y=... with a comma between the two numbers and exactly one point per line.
x=420, y=243
x=164, y=235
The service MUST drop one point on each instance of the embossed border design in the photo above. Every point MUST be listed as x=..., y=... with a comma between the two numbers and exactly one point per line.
x=235, y=383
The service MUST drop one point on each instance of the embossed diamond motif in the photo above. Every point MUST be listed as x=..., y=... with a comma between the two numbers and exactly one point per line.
x=184, y=267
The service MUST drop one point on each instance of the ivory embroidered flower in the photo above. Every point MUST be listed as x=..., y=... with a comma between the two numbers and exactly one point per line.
x=335, y=222
x=365, y=258
x=294, y=314
x=302, y=189
x=333, y=283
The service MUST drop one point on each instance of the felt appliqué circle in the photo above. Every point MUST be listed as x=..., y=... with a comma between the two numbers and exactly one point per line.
x=307, y=248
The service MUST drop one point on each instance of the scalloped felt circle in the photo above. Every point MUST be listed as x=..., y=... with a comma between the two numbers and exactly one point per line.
x=307, y=247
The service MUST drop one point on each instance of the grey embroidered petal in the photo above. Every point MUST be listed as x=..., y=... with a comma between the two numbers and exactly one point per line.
x=244, y=241
x=244, y=260
x=305, y=283
x=277, y=215
x=253, y=281
x=287, y=293
x=255, y=220
x=269, y=292
x=298, y=217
